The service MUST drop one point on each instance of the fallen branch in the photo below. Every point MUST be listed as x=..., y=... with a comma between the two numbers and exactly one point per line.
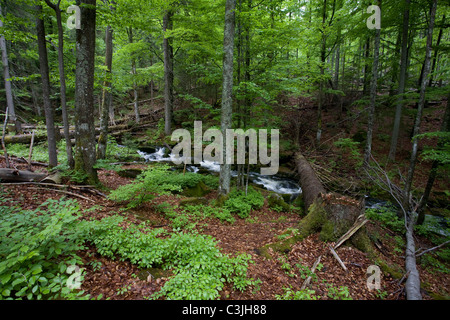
x=432, y=249
x=66, y=192
x=313, y=270
x=338, y=259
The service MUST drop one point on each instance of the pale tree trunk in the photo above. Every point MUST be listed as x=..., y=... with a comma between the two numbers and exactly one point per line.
x=322, y=75
x=227, y=92
x=168, y=72
x=413, y=282
x=134, y=73
x=62, y=79
x=402, y=82
x=106, y=96
x=6, y=76
x=85, y=155
x=373, y=96
x=49, y=114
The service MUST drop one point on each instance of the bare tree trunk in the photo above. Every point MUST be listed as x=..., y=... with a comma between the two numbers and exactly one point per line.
x=423, y=87
x=168, y=72
x=434, y=168
x=436, y=51
x=402, y=82
x=373, y=95
x=413, y=282
x=322, y=74
x=49, y=114
x=107, y=96
x=6, y=76
x=62, y=79
x=85, y=155
x=227, y=92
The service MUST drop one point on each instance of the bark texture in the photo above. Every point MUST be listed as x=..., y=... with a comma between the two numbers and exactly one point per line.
x=85, y=155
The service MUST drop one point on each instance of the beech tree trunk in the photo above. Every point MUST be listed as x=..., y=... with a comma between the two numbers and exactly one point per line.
x=12, y=175
x=227, y=92
x=402, y=82
x=62, y=79
x=106, y=96
x=6, y=76
x=412, y=286
x=373, y=95
x=85, y=155
x=168, y=72
x=49, y=113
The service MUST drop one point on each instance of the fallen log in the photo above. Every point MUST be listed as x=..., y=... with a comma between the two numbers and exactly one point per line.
x=11, y=175
x=331, y=214
x=116, y=130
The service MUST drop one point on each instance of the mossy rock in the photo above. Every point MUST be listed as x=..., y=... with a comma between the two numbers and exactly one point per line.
x=276, y=201
x=200, y=190
x=129, y=173
x=193, y=201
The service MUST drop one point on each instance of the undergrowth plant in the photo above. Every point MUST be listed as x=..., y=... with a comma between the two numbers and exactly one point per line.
x=241, y=204
x=36, y=248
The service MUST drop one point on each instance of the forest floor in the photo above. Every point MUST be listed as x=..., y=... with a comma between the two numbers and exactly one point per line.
x=244, y=236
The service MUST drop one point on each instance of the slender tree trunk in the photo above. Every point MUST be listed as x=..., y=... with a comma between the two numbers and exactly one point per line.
x=322, y=74
x=227, y=92
x=421, y=105
x=106, y=96
x=168, y=72
x=134, y=73
x=6, y=76
x=402, y=82
x=49, y=112
x=412, y=286
x=436, y=51
x=366, y=66
x=434, y=168
x=62, y=80
x=85, y=155
x=373, y=95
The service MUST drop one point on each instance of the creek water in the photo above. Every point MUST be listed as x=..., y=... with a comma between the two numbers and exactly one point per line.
x=283, y=185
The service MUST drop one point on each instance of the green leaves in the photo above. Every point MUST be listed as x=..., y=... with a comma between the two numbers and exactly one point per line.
x=35, y=249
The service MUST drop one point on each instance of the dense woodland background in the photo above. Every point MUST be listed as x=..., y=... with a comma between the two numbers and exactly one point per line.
x=368, y=108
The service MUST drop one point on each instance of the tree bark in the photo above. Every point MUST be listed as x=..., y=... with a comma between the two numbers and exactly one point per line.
x=421, y=104
x=49, y=112
x=85, y=155
x=330, y=214
x=106, y=96
x=227, y=92
x=62, y=79
x=434, y=168
x=168, y=72
x=373, y=95
x=6, y=76
x=412, y=286
x=12, y=175
x=402, y=82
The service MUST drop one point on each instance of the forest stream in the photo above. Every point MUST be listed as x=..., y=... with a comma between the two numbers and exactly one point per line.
x=282, y=185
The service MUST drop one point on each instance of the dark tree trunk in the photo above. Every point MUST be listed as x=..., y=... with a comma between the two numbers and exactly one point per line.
x=62, y=79
x=106, y=96
x=168, y=72
x=402, y=82
x=49, y=112
x=85, y=155
x=373, y=96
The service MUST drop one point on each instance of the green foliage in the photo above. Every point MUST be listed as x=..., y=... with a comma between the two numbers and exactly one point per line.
x=388, y=217
x=290, y=294
x=36, y=249
x=145, y=188
x=352, y=147
x=200, y=269
x=203, y=212
x=242, y=204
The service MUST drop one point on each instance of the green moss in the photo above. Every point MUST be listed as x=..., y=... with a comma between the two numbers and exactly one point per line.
x=199, y=190
x=277, y=203
x=193, y=201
